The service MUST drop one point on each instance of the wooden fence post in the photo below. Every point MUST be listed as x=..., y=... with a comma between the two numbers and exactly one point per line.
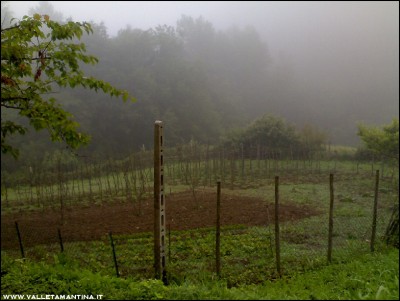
x=159, y=204
x=330, y=230
x=20, y=240
x=60, y=240
x=277, y=238
x=218, y=234
x=375, y=211
x=114, y=254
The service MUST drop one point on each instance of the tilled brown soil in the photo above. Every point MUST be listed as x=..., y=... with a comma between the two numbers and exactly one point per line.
x=82, y=223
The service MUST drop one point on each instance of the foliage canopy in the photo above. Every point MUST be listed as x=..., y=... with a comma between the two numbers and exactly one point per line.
x=277, y=135
x=382, y=141
x=37, y=55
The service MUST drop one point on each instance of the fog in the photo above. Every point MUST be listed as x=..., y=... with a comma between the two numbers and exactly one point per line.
x=319, y=37
x=337, y=53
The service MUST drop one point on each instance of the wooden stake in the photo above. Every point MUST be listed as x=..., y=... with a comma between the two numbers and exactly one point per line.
x=218, y=234
x=375, y=211
x=330, y=230
x=159, y=204
x=277, y=238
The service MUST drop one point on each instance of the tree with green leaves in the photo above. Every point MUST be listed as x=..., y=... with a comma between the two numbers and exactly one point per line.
x=276, y=135
x=271, y=132
x=38, y=55
x=312, y=139
x=382, y=141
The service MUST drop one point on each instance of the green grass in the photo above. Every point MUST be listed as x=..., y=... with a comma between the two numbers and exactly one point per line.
x=369, y=277
x=247, y=253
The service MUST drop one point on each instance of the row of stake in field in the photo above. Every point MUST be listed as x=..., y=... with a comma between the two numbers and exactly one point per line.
x=73, y=181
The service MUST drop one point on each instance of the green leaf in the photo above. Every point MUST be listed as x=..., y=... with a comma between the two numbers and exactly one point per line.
x=32, y=62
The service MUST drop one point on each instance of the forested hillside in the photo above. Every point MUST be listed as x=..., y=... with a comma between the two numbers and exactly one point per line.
x=202, y=82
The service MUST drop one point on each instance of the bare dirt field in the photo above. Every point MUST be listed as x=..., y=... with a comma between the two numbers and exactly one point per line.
x=84, y=223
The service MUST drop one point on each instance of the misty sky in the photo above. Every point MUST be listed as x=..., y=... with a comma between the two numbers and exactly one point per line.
x=339, y=46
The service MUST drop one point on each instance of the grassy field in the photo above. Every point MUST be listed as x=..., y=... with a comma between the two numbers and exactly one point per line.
x=247, y=253
x=367, y=277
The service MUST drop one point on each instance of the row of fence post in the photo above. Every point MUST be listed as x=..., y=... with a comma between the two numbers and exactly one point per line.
x=21, y=246
x=277, y=233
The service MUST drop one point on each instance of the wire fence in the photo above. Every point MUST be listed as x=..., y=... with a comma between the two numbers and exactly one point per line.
x=39, y=220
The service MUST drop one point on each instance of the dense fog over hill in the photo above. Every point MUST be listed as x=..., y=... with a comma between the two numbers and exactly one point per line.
x=207, y=67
